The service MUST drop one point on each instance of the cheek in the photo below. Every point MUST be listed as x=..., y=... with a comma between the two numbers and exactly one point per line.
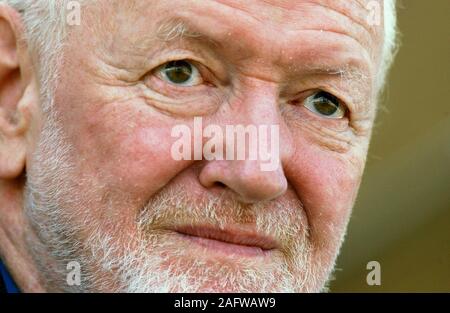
x=144, y=163
x=326, y=182
x=124, y=154
x=138, y=160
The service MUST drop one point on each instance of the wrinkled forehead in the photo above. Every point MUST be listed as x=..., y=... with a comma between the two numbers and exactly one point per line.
x=361, y=19
x=253, y=25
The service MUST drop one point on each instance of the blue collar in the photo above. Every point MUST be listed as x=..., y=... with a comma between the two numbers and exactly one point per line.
x=10, y=285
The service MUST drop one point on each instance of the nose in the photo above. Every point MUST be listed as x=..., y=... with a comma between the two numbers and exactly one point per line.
x=245, y=178
x=248, y=177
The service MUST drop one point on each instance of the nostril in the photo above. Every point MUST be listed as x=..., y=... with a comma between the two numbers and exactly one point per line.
x=244, y=178
x=219, y=184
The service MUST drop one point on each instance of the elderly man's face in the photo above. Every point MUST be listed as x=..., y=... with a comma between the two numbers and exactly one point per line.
x=104, y=189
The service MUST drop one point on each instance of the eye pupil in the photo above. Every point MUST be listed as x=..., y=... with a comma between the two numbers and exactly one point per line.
x=178, y=72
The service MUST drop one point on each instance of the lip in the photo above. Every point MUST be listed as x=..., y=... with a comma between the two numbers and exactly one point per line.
x=230, y=240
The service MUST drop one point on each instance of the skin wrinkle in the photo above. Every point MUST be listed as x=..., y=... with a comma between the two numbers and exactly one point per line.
x=360, y=23
x=108, y=139
x=334, y=142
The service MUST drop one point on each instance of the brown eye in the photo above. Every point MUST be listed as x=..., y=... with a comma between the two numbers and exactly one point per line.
x=182, y=73
x=325, y=105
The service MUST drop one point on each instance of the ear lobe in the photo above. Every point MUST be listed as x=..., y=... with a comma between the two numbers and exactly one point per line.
x=13, y=117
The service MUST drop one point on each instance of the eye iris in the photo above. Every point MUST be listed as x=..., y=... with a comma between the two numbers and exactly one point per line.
x=325, y=107
x=325, y=104
x=178, y=72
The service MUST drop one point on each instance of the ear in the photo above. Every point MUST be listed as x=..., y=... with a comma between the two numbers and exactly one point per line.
x=14, y=98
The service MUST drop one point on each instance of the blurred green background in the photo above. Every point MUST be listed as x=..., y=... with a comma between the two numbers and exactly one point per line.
x=402, y=215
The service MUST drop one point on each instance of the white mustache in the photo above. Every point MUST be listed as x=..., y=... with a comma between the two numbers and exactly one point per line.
x=173, y=206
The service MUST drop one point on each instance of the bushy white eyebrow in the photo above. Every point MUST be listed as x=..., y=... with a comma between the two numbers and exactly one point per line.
x=174, y=29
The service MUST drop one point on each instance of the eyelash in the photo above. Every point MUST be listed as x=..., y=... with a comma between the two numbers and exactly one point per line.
x=319, y=95
x=301, y=102
x=207, y=78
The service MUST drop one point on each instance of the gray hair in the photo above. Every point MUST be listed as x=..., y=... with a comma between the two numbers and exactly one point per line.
x=45, y=23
